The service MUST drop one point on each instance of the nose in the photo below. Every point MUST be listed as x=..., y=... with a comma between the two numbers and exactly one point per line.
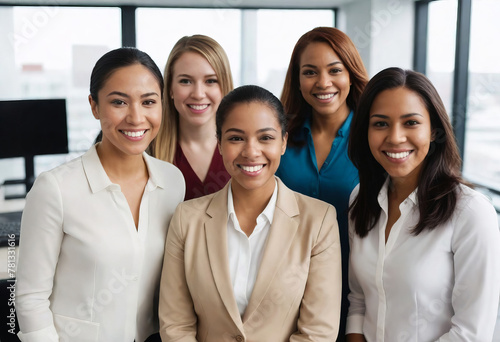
x=396, y=135
x=198, y=91
x=323, y=80
x=251, y=149
x=134, y=115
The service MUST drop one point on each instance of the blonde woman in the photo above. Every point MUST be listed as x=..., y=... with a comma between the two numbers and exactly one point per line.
x=197, y=75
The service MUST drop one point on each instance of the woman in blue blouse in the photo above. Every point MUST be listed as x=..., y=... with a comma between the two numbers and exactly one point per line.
x=324, y=81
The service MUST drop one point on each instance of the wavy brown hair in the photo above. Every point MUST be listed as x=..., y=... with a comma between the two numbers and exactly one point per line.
x=295, y=106
x=165, y=143
x=440, y=174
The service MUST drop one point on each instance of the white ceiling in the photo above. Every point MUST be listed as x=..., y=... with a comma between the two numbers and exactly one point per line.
x=191, y=3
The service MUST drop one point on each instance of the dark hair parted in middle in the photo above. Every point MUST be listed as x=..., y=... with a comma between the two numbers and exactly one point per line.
x=440, y=174
x=294, y=103
x=248, y=94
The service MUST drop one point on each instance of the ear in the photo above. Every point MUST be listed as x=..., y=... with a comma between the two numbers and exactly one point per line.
x=283, y=143
x=433, y=135
x=93, y=106
x=219, y=147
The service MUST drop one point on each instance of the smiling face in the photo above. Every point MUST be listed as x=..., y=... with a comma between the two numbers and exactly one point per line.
x=195, y=90
x=129, y=109
x=324, y=80
x=251, y=146
x=400, y=133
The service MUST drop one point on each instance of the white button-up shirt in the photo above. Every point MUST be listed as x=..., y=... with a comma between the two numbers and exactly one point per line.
x=245, y=252
x=85, y=273
x=441, y=285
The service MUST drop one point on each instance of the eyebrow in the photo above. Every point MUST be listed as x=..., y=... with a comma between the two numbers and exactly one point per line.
x=314, y=66
x=237, y=130
x=119, y=93
x=189, y=76
x=402, y=116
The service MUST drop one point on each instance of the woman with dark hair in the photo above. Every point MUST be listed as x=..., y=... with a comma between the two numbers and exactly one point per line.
x=197, y=76
x=425, y=257
x=255, y=261
x=324, y=81
x=93, y=230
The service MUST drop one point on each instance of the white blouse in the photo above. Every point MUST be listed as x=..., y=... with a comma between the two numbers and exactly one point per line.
x=246, y=252
x=85, y=272
x=441, y=285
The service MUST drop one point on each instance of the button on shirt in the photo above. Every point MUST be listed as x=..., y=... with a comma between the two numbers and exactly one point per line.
x=441, y=284
x=245, y=252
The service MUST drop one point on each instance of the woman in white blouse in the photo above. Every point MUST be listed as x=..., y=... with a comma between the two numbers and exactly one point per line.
x=255, y=261
x=425, y=256
x=93, y=229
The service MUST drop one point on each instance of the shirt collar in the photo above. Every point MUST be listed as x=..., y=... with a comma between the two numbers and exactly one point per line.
x=383, y=199
x=268, y=211
x=99, y=180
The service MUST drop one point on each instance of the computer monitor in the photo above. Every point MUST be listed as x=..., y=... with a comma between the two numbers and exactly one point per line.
x=30, y=128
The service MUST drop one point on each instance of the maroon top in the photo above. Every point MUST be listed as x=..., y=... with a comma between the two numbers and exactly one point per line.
x=215, y=180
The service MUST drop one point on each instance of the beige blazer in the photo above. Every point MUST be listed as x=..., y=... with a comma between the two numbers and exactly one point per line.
x=297, y=292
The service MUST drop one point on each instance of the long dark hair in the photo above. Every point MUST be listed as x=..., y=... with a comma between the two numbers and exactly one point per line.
x=440, y=174
x=294, y=103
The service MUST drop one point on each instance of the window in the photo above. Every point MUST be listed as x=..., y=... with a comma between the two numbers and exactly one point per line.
x=49, y=53
x=482, y=139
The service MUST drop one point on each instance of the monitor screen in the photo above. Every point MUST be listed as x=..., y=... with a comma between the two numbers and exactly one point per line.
x=33, y=127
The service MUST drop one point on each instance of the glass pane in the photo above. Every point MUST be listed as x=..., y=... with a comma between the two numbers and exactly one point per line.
x=482, y=140
x=441, y=37
x=48, y=52
x=276, y=39
x=158, y=29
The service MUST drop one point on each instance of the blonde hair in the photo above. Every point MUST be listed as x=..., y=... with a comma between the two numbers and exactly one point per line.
x=164, y=145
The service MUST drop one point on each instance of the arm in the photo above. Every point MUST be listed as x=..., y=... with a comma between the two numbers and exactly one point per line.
x=476, y=258
x=39, y=247
x=356, y=313
x=319, y=314
x=176, y=308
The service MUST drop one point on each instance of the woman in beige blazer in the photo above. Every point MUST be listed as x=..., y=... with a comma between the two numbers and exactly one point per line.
x=255, y=261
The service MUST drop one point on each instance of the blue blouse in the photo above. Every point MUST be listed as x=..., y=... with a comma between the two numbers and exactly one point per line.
x=336, y=179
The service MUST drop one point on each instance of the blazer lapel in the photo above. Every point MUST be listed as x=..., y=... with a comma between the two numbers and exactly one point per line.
x=216, y=235
x=281, y=234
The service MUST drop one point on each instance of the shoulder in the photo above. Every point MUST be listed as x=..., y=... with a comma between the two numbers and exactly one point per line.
x=473, y=203
x=354, y=194
x=474, y=216
x=164, y=170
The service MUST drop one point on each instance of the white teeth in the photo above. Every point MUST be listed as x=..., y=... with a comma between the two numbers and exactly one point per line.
x=198, y=107
x=324, y=97
x=252, y=168
x=134, y=134
x=398, y=155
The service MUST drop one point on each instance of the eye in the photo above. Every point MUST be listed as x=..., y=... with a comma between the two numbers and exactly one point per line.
x=235, y=138
x=118, y=102
x=335, y=71
x=212, y=81
x=267, y=137
x=184, y=81
x=149, y=102
x=379, y=124
x=412, y=122
x=308, y=72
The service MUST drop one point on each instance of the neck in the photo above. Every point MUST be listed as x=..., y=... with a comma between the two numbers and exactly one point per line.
x=329, y=123
x=121, y=166
x=254, y=201
x=204, y=134
x=400, y=189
